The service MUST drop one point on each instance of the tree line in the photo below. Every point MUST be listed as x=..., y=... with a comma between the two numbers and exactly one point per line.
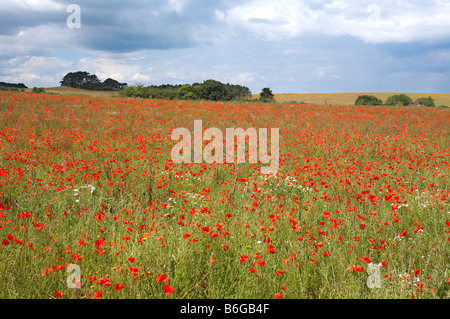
x=12, y=86
x=395, y=100
x=210, y=90
x=86, y=81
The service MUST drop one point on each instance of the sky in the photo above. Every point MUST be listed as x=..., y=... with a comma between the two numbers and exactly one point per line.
x=290, y=46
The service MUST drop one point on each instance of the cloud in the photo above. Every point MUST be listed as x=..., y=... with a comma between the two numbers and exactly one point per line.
x=34, y=70
x=173, y=24
x=383, y=21
x=288, y=45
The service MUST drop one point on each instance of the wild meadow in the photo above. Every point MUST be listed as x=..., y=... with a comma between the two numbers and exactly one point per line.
x=92, y=205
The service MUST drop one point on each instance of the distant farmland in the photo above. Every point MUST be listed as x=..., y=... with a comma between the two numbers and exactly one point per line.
x=350, y=98
x=307, y=98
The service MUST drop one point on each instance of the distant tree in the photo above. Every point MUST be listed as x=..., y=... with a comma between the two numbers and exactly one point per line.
x=80, y=79
x=398, y=99
x=132, y=91
x=215, y=91
x=238, y=92
x=210, y=90
x=368, y=100
x=190, y=92
x=113, y=85
x=13, y=85
x=266, y=95
x=38, y=90
x=425, y=101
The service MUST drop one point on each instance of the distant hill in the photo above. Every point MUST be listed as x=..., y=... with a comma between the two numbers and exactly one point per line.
x=13, y=85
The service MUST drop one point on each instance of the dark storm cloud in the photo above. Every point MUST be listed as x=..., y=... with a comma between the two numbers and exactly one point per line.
x=123, y=26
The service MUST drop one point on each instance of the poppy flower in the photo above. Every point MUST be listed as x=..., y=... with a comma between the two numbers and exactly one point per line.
x=97, y=295
x=365, y=259
x=58, y=294
x=243, y=258
x=161, y=277
x=168, y=290
x=279, y=272
x=118, y=287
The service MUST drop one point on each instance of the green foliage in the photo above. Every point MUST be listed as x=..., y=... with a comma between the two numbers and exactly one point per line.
x=368, y=100
x=266, y=95
x=13, y=85
x=398, y=100
x=84, y=80
x=189, y=92
x=211, y=90
x=38, y=90
x=214, y=91
x=11, y=89
x=425, y=101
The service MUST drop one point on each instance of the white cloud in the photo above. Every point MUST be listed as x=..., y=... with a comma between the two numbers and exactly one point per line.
x=385, y=21
x=35, y=70
x=33, y=5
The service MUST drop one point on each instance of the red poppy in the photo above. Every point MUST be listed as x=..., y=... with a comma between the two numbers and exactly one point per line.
x=365, y=259
x=279, y=272
x=243, y=258
x=98, y=294
x=58, y=294
x=118, y=287
x=168, y=290
x=161, y=277
x=270, y=249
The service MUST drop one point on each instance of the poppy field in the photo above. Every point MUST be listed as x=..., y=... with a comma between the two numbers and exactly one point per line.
x=92, y=205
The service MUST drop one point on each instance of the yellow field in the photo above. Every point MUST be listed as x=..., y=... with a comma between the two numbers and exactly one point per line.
x=350, y=98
